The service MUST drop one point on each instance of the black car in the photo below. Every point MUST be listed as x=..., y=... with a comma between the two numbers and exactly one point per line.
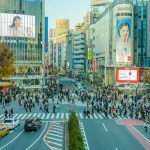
x=32, y=124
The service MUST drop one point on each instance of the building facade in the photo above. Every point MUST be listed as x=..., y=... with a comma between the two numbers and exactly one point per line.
x=79, y=51
x=22, y=30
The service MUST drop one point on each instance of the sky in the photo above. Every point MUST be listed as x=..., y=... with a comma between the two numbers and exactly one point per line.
x=74, y=10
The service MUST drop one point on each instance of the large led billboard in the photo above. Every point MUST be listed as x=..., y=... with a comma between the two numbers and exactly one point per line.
x=17, y=25
x=127, y=74
x=123, y=40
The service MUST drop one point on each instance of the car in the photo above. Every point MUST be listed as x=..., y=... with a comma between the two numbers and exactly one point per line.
x=3, y=131
x=11, y=123
x=32, y=124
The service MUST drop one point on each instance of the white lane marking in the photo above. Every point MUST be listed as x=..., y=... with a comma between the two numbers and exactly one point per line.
x=104, y=127
x=58, y=126
x=29, y=115
x=62, y=116
x=95, y=116
x=91, y=117
x=60, y=136
x=15, y=115
x=110, y=117
x=116, y=148
x=76, y=114
x=100, y=116
x=43, y=116
x=55, y=139
x=24, y=116
x=1, y=115
x=84, y=135
x=54, y=143
x=34, y=114
x=56, y=132
x=39, y=115
x=57, y=129
x=57, y=116
x=67, y=116
x=19, y=116
x=81, y=116
x=52, y=116
x=37, y=138
x=48, y=115
x=12, y=140
x=141, y=134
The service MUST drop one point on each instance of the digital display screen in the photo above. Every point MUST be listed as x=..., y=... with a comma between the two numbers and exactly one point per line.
x=17, y=25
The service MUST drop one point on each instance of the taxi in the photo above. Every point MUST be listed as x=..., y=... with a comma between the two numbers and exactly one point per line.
x=3, y=131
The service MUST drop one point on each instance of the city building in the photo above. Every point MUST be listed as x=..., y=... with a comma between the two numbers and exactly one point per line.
x=22, y=30
x=61, y=46
x=79, y=51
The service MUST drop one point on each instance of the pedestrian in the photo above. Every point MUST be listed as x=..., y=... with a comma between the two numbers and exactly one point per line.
x=146, y=127
x=6, y=113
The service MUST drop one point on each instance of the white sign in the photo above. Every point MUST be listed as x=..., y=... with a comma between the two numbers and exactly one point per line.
x=127, y=75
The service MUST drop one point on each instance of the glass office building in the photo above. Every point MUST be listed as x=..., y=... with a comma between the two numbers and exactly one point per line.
x=22, y=30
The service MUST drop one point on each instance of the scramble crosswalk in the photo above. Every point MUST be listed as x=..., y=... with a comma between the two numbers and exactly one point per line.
x=58, y=116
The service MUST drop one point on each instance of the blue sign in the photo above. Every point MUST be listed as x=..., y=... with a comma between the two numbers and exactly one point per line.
x=46, y=34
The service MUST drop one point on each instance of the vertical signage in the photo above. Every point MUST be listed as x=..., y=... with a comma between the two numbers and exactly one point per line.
x=93, y=65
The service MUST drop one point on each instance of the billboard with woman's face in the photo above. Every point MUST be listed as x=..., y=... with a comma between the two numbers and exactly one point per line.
x=123, y=40
x=17, y=25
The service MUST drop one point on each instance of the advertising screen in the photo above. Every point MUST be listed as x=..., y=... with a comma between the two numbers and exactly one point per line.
x=123, y=40
x=16, y=25
x=127, y=75
x=99, y=2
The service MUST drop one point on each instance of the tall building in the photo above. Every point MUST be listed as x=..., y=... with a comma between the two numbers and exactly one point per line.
x=22, y=30
x=141, y=33
x=79, y=51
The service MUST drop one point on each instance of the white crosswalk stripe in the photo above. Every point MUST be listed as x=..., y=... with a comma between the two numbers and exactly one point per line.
x=62, y=115
x=39, y=115
x=34, y=115
x=53, y=115
x=67, y=116
x=100, y=116
x=1, y=115
x=95, y=116
x=19, y=116
x=48, y=116
x=58, y=116
x=15, y=115
x=81, y=116
x=43, y=116
x=24, y=116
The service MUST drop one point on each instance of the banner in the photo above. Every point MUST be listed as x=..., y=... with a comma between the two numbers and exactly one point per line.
x=123, y=40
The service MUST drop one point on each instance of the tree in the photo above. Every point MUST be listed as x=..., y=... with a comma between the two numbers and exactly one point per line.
x=6, y=62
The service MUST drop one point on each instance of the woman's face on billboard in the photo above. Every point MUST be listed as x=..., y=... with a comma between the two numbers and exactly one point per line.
x=17, y=23
x=124, y=33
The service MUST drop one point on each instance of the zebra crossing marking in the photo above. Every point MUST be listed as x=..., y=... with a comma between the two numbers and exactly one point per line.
x=24, y=116
x=48, y=115
x=45, y=116
x=19, y=116
x=34, y=114
x=57, y=116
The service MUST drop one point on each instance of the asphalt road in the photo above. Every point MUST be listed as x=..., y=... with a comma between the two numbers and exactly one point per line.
x=18, y=139
x=107, y=135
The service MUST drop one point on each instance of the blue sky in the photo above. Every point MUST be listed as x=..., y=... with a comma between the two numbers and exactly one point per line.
x=74, y=10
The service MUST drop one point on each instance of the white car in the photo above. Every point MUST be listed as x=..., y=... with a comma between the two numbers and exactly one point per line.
x=11, y=123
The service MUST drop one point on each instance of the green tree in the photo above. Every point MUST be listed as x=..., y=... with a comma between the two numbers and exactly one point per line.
x=6, y=62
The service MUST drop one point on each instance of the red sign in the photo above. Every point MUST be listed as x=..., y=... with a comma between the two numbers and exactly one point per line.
x=124, y=74
x=93, y=65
